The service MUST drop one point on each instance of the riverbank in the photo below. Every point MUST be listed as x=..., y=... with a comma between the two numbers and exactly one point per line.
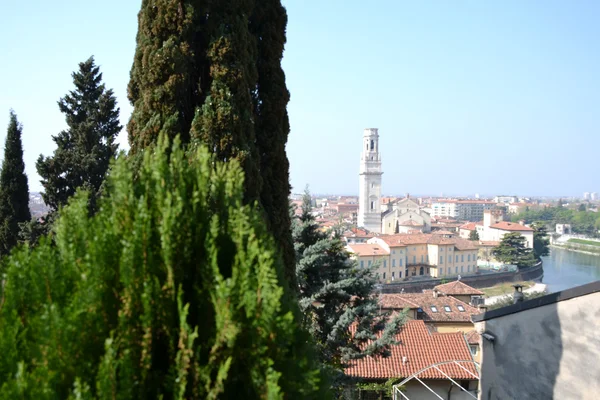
x=537, y=288
x=576, y=249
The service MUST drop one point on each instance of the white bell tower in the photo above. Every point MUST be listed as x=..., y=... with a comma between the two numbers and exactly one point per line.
x=369, y=202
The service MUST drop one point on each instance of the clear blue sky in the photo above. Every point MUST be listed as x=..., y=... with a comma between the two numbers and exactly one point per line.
x=469, y=96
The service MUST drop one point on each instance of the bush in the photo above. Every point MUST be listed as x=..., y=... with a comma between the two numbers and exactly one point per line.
x=171, y=291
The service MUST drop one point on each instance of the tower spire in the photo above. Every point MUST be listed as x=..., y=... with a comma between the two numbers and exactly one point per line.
x=369, y=208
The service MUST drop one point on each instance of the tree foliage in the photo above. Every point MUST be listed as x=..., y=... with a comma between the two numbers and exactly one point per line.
x=473, y=235
x=169, y=291
x=512, y=250
x=541, y=243
x=85, y=149
x=14, y=190
x=336, y=297
x=582, y=222
x=211, y=73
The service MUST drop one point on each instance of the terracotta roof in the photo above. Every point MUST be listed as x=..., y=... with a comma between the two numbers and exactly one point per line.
x=425, y=302
x=443, y=232
x=472, y=337
x=410, y=222
x=421, y=349
x=458, y=288
x=400, y=240
x=491, y=243
x=368, y=249
x=511, y=226
x=471, y=226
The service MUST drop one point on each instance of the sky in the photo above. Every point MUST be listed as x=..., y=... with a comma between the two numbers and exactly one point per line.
x=489, y=97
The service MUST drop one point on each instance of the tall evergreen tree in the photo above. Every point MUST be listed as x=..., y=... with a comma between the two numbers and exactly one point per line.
x=169, y=291
x=541, y=243
x=85, y=149
x=14, y=191
x=336, y=296
x=512, y=250
x=473, y=235
x=211, y=73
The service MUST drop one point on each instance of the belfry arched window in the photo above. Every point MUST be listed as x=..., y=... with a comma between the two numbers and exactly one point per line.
x=372, y=144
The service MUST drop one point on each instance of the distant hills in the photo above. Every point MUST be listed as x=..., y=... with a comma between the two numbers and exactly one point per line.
x=37, y=206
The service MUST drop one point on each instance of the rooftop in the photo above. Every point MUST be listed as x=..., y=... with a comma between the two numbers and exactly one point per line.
x=367, y=249
x=458, y=288
x=511, y=226
x=435, y=309
x=436, y=238
x=418, y=349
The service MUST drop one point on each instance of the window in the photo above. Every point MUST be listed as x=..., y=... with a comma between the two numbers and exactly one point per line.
x=449, y=248
x=441, y=271
x=441, y=259
x=399, y=274
x=384, y=275
x=468, y=268
x=462, y=269
x=369, y=263
x=372, y=205
x=468, y=257
x=372, y=185
x=372, y=145
x=400, y=262
x=414, y=248
x=414, y=259
x=434, y=309
x=449, y=259
x=419, y=313
x=393, y=262
x=441, y=249
x=384, y=263
x=447, y=308
x=460, y=308
x=474, y=348
x=456, y=258
x=456, y=270
x=393, y=251
x=421, y=257
x=362, y=264
x=393, y=274
x=462, y=258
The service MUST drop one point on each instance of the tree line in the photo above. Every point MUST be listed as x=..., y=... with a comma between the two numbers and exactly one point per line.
x=177, y=270
x=582, y=221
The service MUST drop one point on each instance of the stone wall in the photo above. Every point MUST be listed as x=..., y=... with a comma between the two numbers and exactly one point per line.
x=477, y=281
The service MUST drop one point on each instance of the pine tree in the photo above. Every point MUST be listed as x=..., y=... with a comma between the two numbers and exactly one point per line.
x=14, y=191
x=211, y=72
x=541, y=243
x=512, y=250
x=473, y=235
x=84, y=151
x=337, y=296
x=169, y=291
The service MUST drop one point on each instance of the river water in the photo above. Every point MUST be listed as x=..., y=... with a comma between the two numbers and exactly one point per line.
x=564, y=269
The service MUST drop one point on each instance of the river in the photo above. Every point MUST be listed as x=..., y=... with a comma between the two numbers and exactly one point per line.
x=564, y=269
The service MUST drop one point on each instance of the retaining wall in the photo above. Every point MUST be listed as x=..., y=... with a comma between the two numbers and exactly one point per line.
x=534, y=273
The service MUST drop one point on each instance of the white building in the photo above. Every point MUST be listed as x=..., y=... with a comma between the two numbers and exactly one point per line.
x=465, y=210
x=493, y=228
x=506, y=199
x=369, y=204
x=586, y=195
x=404, y=216
x=563, y=229
x=593, y=196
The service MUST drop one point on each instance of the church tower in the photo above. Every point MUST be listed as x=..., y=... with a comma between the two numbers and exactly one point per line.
x=369, y=202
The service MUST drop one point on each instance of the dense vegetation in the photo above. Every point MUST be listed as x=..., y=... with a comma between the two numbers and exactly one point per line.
x=169, y=291
x=336, y=298
x=582, y=222
x=211, y=73
x=14, y=190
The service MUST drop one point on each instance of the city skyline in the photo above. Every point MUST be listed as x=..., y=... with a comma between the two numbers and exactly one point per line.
x=503, y=96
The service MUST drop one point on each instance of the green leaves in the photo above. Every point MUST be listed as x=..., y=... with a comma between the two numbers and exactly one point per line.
x=512, y=250
x=170, y=290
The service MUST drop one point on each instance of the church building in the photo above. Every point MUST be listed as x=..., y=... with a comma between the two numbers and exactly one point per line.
x=400, y=216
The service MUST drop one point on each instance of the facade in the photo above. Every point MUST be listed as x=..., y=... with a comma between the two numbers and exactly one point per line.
x=464, y=210
x=563, y=229
x=593, y=196
x=459, y=290
x=369, y=212
x=505, y=199
x=404, y=216
x=516, y=208
x=493, y=228
x=546, y=348
x=404, y=256
x=586, y=195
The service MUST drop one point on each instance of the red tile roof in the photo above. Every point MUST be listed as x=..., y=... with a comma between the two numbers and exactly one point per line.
x=400, y=240
x=458, y=288
x=421, y=349
x=511, y=226
x=472, y=337
x=368, y=249
x=410, y=222
x=471, y=226
x=425, y=301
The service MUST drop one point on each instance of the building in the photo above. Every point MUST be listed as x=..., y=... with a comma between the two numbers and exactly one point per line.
x=563, y=229
x=464, y=210
x=404, y=216
x=356, y=235
x=418, y=350
x=369, y=212
x=493, y=228
x=460, y=291
x=404, y=256
x=586, y=195
x=593, y=196
x=506, y=199
x=516, y=208
x=546, y=348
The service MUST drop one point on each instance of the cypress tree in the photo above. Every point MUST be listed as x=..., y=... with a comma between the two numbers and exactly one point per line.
x=211, y=72
x=84, y=150
x=14, y=191
x=268, y=24
x=169, y=291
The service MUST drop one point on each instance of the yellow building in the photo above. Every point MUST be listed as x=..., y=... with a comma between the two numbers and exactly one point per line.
x=372, y=255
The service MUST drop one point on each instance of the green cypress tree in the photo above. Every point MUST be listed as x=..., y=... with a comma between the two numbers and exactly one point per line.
x=268, y=25
x=512, y=250
x=169, y=291
x=84, y=151
x=14, y=191
x=336, y=295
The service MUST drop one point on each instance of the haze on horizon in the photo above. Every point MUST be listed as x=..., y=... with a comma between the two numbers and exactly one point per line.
x=469, y=97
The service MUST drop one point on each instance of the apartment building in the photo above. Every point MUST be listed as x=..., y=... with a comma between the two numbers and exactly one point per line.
x=464, y=210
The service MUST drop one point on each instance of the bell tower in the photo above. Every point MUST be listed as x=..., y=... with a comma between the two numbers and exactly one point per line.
x=369, y=202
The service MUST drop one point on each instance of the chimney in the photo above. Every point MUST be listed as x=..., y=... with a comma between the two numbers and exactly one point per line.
x=435, y=293
x=518, y=296
x=404, y=360
x=482, y=308
x=521, y=222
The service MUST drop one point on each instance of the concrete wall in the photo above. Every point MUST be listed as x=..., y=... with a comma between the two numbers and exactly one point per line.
x=444, y=388
x=547, y=352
